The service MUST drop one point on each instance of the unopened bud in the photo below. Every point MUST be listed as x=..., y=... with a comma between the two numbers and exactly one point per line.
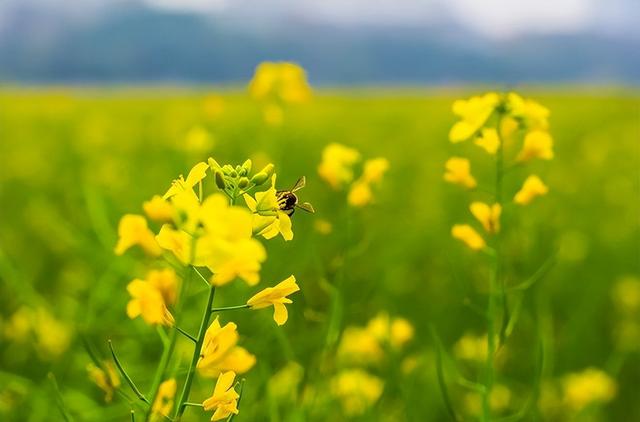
x=268, y=169
x=247, y=166
x=243, y=183
x=213, y=164
x=259, y=178
x=220, y=180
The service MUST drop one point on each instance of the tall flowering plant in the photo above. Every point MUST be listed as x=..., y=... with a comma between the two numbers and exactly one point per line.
x=208, y=228
x=513, y=131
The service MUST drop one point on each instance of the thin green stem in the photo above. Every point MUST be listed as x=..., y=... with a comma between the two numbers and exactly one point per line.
x=203, y=278
x=126, y=376
x=187, y=335
x=230, y=308
x=187, y=403
x=184, y=396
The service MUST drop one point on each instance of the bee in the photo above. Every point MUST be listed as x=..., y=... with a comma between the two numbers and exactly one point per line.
x=288, y=200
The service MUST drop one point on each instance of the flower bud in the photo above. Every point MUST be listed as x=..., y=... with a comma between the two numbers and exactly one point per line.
x=227, y=169
x=220, y=183
x=247, y=166
x=259, y=178
x=268, y=170
x=214, y=164
x=243, y=183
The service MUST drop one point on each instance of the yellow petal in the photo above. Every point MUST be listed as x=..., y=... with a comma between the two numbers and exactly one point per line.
x=280, y=314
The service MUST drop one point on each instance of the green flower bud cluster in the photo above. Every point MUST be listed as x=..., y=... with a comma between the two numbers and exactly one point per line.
x=235, y=181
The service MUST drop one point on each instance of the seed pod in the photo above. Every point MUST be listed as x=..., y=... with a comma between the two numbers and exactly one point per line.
x=220, y=183
x=243, y=183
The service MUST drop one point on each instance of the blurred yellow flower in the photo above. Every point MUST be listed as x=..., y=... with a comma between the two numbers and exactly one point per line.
x=469, y=236
x=360, y=194
x=532, y=114
x=108, y=381
x=157, y=209
x=473, y=114
x=198, y=140
x=589, y=386
x=166, y=282
x=276, y=296
x=471, y=347
x=537, y=144
x=273, y=114
x=163, y=403
x=374, y=169
x=196, y=174
x=336, y=165
x=458, y=171
x=50, y=336
x=626, y=294
x=359, y=345
x=357, y=390
x=532, y=188
x=488, y=140
x=224, y=399
x=499, y=400
x=180, y=243
x=133, y=230
x=213, y=106
x=395, y=331
x=282, y=81
x=147, y=301
x=268, y=219
x=322, y=226
x=487, y=215
x=220, y=353
x=283, y=385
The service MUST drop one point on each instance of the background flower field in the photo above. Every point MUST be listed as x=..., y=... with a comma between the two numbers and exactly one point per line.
x=72, y=161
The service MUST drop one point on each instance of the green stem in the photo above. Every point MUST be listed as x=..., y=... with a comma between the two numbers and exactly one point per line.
x=187, y=335
x=494, y=286
x=229, y=308
x=126, y=376
x=184, y=396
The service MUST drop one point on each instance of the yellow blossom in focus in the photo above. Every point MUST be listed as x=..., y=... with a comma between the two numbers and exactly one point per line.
x=107, y=380
x=166, y=282
x=532, y=114
x=473, y=114
x=469, y=236
x=357, y=390
x=283, y=81
x=488, y=216
x=224, y=400
x=133, y=230
x=147, y=301
x=532, y=188
x=336, y=165
x=537, y=144
x=322, y=226
x=180, y=243
x=157, y=209
x=220, y=352
x=458, y=171
x=589, y=386
x=359, y=345
x=164, y=399
x=471, y=347
x=276, y=296
x=196, y=174
x=488, y=140
x=268, y=219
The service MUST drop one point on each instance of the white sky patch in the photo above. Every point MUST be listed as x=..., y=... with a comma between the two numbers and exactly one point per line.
x=197, y=6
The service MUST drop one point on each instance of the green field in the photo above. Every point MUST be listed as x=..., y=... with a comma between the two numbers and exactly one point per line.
x=73, y=161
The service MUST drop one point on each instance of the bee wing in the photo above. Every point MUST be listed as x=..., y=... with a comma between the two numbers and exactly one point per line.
x=299, y=184
x=305, y=206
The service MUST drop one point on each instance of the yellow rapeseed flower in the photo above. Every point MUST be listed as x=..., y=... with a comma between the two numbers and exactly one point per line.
x=530, y=113
x=532, y=188
x=357, y=390
x=473, y=114
x=164, y=399
x=133, y=230
x=220, y=352
x=224, y=400
x=198, y=139
x=27, y=325
x=471, y=347
x=374, y=169
x=106, y=379
x=359, y=345
x=196, y=174
x=626, y=295
x=283, y=385
x=268, y=219
x=282, y=81
x=487, y=215
x=488, y=140
x=395, y=331
x=458, y=171
x=273, y=114
x=147, y=301
x=469, y=236
x=157, y=209
x=589, y=386
x=276, y=296
x=166, y=282
x=322, y=226
x=537, y=144
x=336, y=165
x=360, y=194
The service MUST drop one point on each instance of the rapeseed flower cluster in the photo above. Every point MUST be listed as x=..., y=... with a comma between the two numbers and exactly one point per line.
x=495, y=123
x=337, y=169
x=277, y=84
x=209, y=228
